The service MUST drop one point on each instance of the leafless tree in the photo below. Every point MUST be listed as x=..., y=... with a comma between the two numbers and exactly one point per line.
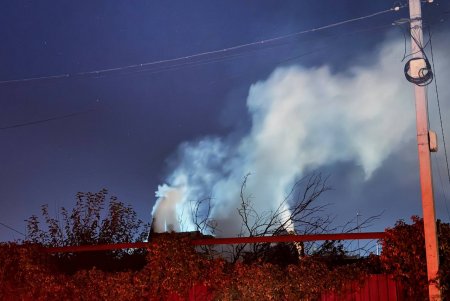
x=203, y=223
x=300, y=212
x=201, y=216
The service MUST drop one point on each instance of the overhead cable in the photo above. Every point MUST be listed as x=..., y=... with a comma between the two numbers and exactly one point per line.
x=201, y=54
x=43, y=120
x=439, y=107
x=12, y=229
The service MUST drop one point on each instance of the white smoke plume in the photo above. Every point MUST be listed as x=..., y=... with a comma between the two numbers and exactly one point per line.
x=302, y=118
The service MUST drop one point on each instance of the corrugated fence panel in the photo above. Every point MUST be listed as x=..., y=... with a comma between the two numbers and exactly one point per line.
x=375, y=288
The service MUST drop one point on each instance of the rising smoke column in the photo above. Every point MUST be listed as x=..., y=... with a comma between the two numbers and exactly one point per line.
x=302, y=119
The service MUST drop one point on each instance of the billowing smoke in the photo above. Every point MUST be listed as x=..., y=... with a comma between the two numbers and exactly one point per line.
x=301, y=119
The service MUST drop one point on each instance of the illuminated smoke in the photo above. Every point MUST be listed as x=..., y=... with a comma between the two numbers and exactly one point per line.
x=301, y=119
x=165, y=210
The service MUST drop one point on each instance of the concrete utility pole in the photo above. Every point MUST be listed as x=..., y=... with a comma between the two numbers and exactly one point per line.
x=423, y=142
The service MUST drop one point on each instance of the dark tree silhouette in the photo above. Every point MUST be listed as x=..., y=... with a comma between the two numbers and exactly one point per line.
x=93, y=220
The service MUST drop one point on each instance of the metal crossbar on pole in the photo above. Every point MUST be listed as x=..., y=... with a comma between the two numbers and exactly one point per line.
x=225, y=241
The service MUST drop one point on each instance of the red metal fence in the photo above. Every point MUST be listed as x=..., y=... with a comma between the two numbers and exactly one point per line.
x=374, y=288
x=226, y=240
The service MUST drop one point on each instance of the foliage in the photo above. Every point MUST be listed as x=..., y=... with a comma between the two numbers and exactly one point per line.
x=404, y=257
x=444, y=255
x=84, y=225
x=174, y=270
x=93, y=220
x=173, y=266
x=27, y=274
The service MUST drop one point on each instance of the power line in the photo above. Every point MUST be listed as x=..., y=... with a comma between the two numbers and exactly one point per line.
x=443, y=190
x=12, y=229
x=43, y=120
x=201, y=54
x=232, y=56
x=440, y=119
x=439, y=108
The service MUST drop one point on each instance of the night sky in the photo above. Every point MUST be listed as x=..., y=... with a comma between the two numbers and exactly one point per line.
x=122, y=129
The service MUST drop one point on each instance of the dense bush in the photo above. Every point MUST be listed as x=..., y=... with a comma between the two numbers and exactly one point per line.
x=95, y=219
x=27, y=274
x=403, y=256
x=173, y=268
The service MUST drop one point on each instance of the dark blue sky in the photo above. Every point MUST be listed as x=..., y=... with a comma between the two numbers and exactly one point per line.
x=131, y=122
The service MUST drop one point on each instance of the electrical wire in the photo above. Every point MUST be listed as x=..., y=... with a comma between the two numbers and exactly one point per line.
x=405, y=31
x=201, y=54
x=443, y=191
x=313, y=51
x=425, y=74
x=12, y=229
x=439, y=108
x=228, y=57
x=44, y=120
x=203, y=62
x=440, y=113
